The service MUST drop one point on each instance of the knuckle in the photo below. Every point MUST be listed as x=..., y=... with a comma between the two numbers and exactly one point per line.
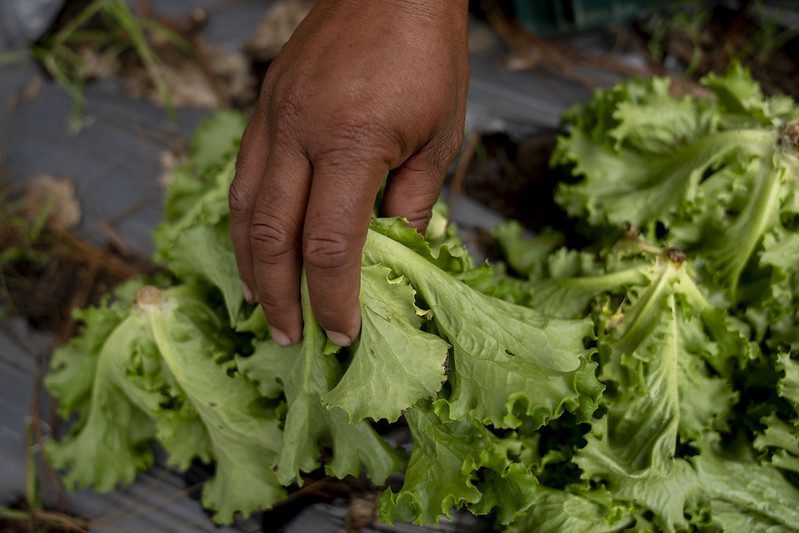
x=269, y=303
x=327, y=250
x=239, y=201
x=286, y=110
x=255, y=129
x=243, y=168
x=353, y=145
x=272, y=240
x=286, y=104
x=354, y=130
x=446, y=148
x=353, y=127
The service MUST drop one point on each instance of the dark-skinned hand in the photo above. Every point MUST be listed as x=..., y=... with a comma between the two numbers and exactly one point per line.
x=364, y=92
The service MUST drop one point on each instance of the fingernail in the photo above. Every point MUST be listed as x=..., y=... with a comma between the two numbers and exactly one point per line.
x=248, y=294
x=280, y=337
x=338, y=338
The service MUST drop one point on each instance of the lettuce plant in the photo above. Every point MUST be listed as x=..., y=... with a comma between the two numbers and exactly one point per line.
x=648, y=380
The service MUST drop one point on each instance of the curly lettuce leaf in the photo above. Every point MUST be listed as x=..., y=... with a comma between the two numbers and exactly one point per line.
x=788, y=386
x=627, y=186
x=100, y=451
x=216, y=139
x=744, y=495
x=213, y=144
x=197, y=245
x=73, y=366
x=454, y=464
x=508, y=361
x=708, y=175
x=183, y=435
x=783, y=439
x=447, y=252
x=306, y=372
x=575, y=280
x=553, y=511
x=508, y=492
x=733, y=249
x=664, y=392
x=526, y=255
x=221, y=411
x=394, y=364
x=642, y=153
x=738, y=94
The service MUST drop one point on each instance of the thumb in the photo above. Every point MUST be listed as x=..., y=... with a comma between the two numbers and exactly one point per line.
x=413, y=188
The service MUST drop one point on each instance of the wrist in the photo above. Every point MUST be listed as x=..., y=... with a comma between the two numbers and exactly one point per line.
x=422, y=9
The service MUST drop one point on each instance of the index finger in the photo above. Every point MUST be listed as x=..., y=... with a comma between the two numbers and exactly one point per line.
x=250, y=164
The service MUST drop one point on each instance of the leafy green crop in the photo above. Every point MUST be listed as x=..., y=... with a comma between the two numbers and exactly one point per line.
x=648, y=380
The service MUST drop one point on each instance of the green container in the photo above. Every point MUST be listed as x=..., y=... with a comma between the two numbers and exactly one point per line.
x=553, y=17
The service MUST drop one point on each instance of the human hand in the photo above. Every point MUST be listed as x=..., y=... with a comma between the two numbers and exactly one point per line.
x=363, y=91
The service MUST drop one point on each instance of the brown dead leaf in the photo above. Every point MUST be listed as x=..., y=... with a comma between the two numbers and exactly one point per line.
x=212, y=79
x=97, y=65
x=232, y=73
x=362, y=512
x=56, y=195
x=681, y=86
x=186, y=85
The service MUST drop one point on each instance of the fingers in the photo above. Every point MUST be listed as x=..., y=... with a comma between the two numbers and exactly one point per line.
x=250, y=165
x=413, y=189
x=339, y=209
x=275, y=236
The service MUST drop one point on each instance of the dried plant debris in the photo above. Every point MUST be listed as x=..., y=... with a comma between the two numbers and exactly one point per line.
x=276, y=28
x=54, y=199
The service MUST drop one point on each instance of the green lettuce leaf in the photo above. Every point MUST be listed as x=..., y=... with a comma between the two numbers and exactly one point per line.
x=100, y=452
x=183, y=435
x=509, y=491
x=73, y=366
x=213, y=144
x=657, y=361
x=735, y=246
x=526, y=255
x=783, y=439
x=744, y=495
x=216, y=139
x=631, y=187
x=508, y=361
x=575, y=279
x=710, y=173
x=555, y=510
x=394, y=364
x=221, y=411
x=306, y=372
x=442, y=473
x=197, y=245
x=788, y=386
x=737, y=93
x=642, y=153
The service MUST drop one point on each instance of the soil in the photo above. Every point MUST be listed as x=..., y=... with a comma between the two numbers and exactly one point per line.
x=513, y=178
x=46, y=274
x=724, y=34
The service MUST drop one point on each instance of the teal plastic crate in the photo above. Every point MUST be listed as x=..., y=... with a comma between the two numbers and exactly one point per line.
x=554, y=17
